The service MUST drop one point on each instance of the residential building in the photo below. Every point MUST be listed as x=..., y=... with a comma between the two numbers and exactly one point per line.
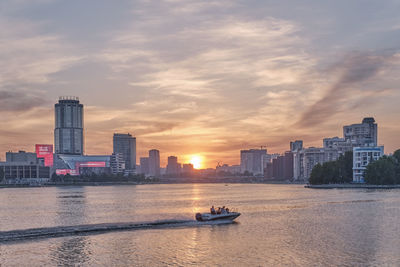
x=252, y=161
x=305, y=160
x=282, y=167
x=362, y=156
x=68, y=131
x=154, y=163
x=296, y=145
x=125, y=144
x=363, y=134
x=341, y=144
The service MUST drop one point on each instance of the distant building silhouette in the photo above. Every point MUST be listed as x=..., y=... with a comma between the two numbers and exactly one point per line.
x=154, y=163
x=173, y=167
x=187, y=168
x=253, y=161
x=125, y=144
x=68, y=131
x=144, y=166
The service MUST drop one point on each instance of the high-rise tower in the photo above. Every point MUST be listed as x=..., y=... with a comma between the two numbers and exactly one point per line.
x=68, y=131
x=125, y=144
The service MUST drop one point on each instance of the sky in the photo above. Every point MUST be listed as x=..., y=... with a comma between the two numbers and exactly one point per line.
x=203, y=78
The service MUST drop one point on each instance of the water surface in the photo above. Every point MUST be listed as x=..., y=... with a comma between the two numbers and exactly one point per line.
x=280, y=225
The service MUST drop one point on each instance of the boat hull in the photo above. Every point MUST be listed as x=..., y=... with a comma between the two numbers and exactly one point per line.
x=203, y=217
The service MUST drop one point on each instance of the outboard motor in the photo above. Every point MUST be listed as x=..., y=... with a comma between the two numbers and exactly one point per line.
x=199, y=217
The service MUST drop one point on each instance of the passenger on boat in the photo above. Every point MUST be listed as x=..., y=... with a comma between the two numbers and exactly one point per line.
x=223, y=210
x=219, y=210
x=212, y=210
x=227, y=210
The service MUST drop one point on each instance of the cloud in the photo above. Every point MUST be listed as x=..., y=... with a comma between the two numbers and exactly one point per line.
x=351, y=74
x=16, y=101
x=28, y=57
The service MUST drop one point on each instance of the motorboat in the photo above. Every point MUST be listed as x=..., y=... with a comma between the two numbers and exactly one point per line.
x=226, y=216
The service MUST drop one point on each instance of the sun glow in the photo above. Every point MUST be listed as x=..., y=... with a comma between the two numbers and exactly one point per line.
x=196, y=161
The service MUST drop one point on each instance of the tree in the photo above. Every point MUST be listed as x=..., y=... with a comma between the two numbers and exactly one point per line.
x=317, y=175
x=1, y=174
x=339, y=171
x=396, y=155
x=382, y=171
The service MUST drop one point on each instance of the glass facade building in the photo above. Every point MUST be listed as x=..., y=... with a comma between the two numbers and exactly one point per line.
x=68, y=132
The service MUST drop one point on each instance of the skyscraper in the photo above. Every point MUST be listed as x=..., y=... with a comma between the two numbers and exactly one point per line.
x=154, y=162
x=125, y=144
x=68, y=131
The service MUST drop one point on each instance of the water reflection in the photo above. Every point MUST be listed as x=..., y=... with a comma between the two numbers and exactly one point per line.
x=71, y=204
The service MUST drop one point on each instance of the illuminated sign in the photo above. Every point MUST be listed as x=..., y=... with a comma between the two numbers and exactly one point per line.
x=45, y=152
x=90, y=164
x=66, y=171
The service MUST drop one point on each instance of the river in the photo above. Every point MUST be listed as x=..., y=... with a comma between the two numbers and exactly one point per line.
x=280, y=225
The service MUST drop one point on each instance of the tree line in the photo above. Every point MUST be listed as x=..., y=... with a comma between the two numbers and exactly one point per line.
x=385, y=170
x=333, y=172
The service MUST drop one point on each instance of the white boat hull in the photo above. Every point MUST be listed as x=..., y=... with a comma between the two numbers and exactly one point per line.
x=217, y=217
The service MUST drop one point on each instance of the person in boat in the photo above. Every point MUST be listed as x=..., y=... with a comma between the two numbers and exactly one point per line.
x=227, y=210
x=212, y=210
x=219, y=210
x=223, y=210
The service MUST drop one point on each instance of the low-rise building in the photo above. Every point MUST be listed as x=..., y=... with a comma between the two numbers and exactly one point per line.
x=117, y=163
x=24, y=173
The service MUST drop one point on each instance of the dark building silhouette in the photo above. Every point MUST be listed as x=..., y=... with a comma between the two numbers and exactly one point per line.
x=125, y=144
x=173, y=166
x=68, y=131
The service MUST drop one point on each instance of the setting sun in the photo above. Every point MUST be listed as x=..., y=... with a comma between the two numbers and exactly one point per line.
x=196, y=160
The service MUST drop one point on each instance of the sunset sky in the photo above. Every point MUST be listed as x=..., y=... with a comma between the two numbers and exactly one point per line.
x=203, y=78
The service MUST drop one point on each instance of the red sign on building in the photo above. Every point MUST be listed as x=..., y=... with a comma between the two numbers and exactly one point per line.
x=45, y=152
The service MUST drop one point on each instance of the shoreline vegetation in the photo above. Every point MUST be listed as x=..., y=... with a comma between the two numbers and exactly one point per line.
x=352, y=186
x=381, y=173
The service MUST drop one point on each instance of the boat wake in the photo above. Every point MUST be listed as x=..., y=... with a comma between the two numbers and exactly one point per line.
x=57, y=231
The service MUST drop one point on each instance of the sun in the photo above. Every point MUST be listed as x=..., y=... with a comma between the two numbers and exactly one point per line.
x=196, y=161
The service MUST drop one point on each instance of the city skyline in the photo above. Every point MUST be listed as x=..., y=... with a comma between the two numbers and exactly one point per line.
x=205, y=79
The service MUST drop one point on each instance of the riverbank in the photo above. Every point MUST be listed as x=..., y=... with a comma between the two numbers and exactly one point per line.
x=351, y=186
x=171, y=181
